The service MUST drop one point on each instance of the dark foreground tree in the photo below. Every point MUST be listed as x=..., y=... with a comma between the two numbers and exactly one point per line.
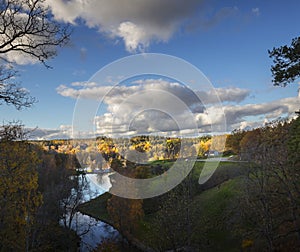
x=286, y=59
x=174, y=222
x=28, y=32
x=271, y=201
x=33, y=185
x=61, y=194
x=19, y=195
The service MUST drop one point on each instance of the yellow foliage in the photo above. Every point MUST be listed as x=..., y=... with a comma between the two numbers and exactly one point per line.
x=247, y=243
x=19, y=198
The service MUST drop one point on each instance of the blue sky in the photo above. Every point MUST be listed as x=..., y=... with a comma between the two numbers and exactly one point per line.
x=226, y=40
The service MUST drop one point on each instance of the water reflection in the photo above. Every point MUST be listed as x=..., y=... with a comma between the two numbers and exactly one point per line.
x=98, y=184
x=91, y=231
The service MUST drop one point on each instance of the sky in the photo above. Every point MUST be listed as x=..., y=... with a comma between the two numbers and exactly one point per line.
x=227, y=41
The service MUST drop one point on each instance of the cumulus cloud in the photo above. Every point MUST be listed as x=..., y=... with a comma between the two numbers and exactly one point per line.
x=123, y=121
x=136, y=22
x=224, y=95
x=63, y=132
x=168, y=108
x=237, y=114
x=92, y=90
x=157, y=106
x=134, y=36
x=19, y=58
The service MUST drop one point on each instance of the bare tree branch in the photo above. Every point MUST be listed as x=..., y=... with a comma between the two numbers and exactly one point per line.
x=11, y=93
x=27, y=32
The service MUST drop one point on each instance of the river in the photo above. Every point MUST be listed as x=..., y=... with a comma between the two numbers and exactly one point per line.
x=90, y=230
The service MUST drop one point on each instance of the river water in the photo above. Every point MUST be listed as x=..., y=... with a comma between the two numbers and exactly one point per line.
x=90, y=230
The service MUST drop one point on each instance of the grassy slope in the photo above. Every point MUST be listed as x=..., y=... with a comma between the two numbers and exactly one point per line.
x=212, y=209
x=215, y=214
x=97, y=208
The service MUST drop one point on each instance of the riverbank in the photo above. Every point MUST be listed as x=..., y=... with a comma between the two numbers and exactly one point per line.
x=209, y=207
x=97, y=209
x=215, y=205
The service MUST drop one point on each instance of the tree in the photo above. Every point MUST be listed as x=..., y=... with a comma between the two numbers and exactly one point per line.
x=34, y=188
x=10, y=91
x=108, y=149
x=174, y=221
x=139, y=149
x=272, y=185
x=203, y=147
x=61, y=195
x=125, y=214
x=141, y=143
x=233, y=141
x=108, y=245
x=173, y=146
x=19, y=195
x=286, y=59
x=27, y=30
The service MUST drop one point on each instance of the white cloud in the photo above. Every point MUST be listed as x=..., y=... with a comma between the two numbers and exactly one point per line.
x=91, y=90
x=225, y=95
x=63, y=132
x=136, y=22
x=237, y=114
x=19, y=58
x=83, y=84
x=156, y=106
x=135, y=37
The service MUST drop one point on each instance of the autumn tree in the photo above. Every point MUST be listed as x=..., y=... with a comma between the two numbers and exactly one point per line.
x=203, y=147
x=174, y=221
x=173, y=146
x=108, y=149
x=141, y=143
x=125, y=213
x=28, y=31
x=218, y=143
x=233, y=141
x=108, y=245
x=139, y=149
x=19, y=195
x=59, y=187
x=272, y=185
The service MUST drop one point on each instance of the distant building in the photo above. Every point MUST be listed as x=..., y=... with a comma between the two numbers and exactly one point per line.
x=211, y=153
